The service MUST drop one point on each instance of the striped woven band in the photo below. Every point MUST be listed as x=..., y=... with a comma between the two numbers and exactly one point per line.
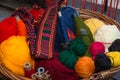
x=46, y=34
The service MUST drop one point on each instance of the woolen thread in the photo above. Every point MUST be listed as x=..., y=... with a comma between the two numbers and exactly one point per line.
x=114, y=57
x=29, y=73
x=115, y=46
x=68, y=58
x=56, y=69
x=94, y=24
x=85, y=67
x=107, y=34
x=96, y=48
x=14, y=52
x=8, y=28
x=21, y=27
x=28, y=70
x=102, y=62
x=78, y=46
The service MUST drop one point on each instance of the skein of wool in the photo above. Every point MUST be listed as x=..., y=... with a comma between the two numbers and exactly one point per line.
x=21, y=28
x=96, y=48
x=84, y=67
x=78, y=46
x=56, y=69
x=107, y=34
x=102, y=62
x=8, y=28
x=68, y=58
x=114, y=57
x=14, y=52
x=115, y=46
x=82, y=30
x=28, y=70
x=93, y=24
x=64, y=26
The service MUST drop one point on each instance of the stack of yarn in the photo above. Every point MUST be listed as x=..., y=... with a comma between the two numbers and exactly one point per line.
x=14, y=50
x=92, y=36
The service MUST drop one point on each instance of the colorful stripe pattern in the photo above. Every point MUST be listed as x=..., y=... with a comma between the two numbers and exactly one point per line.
x=45, y=37
x=27, y=18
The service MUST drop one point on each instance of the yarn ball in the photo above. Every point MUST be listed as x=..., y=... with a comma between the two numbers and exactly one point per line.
x=93, y=24
x=21, y=27
x=84, y=67
x=102, y=62
x=68, y=58
x=8, y=28
x=107, y=34
x=115, y=46
x=96, y=48
x=78, y=46
x=56, y=69
x=14, y=52
x=114, y=57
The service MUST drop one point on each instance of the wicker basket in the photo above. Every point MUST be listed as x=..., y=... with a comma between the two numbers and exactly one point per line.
x=85, y=14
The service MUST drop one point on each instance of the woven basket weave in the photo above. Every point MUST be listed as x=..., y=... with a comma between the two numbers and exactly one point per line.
x=85, y=14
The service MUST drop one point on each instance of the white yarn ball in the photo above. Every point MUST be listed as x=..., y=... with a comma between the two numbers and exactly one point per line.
x=107, y=34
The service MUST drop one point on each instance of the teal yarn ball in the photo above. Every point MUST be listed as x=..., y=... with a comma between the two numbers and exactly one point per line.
x=68, y=58
x=78, y=46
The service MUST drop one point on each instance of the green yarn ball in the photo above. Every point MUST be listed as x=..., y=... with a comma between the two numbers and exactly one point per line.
x=68, y=58
x=78, y=46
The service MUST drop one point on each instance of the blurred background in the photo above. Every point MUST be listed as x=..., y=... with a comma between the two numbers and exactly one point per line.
x=110, y=8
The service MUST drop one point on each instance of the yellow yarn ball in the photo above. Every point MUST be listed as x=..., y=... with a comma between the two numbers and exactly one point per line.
x=14, y=52
x=114, y=57
x=93, y=24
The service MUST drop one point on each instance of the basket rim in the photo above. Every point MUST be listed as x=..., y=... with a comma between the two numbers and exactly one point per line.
x=84, y=14
x=98, y=15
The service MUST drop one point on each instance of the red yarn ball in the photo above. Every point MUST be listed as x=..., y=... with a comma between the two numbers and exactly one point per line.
x=8, y=28
x=96, y=48
x=56, y=69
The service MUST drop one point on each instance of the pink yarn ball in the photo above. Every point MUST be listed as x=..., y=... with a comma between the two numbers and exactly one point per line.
x=96, y=48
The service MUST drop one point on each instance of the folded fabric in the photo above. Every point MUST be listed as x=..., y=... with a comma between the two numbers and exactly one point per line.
x=46, y=33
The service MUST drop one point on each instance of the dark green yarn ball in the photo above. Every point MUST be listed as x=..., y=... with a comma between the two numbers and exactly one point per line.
x=68, y=58
x=78, y=46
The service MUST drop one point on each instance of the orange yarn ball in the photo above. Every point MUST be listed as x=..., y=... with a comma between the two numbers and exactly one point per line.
x=21, y=27
x=84, y=67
